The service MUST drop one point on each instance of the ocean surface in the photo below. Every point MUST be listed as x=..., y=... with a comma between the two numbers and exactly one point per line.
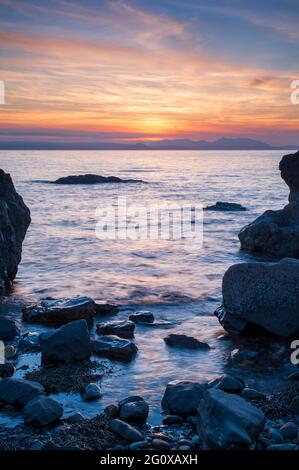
x=178, y=282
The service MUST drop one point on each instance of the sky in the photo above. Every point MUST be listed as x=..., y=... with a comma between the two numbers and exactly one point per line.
x=136, y=70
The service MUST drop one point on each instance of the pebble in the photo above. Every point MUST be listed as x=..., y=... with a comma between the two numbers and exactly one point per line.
x=75, y=418
x=186, y=448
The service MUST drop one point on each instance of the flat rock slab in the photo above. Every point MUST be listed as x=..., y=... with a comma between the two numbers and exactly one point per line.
x=93, y=179
x=184, y=341
x=124, y=329
x=58, y=312
x=225, y=207
x=115, y=348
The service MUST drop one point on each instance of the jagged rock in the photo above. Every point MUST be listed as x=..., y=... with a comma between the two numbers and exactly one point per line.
x=58, y=312
x=124, y=329
x=225, y=206
x=14, y=222
x=265, y=295
x=8, y=329
x=68, y=344
x=289, y=170
x=42, y=411
x=227, y=421
x=134, y=410
x=182, y=397
x=18, y=392
x=93, y=179
x=184, y=341
x=142, y=317
x=115, y=348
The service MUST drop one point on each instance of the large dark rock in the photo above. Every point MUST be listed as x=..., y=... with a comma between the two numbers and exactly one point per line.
x=124, y=329
x=142, y=317
x=93, y=179
x=18, y=392
x=42, y=411
x=274, y=233
x=57, y=312
x=7, y=369
x=227, y=421
x=182, y=398
x=125, y=430
x=134, y=409
x=115, y=348
x=184, y=341
x=14, y=222
x=68, y=344
x=8, y=329
x=289, y=168
x=106, y=308
x=261, y=294
x=225, y=207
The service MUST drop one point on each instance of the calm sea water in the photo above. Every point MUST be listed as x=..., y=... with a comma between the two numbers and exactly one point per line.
x=63, y=257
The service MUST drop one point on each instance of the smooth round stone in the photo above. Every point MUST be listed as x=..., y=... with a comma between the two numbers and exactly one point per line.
x=112, y=410
x=159, y=444
x=251, y=394
x=92, y=392
x=186, y=448
x=275, y=435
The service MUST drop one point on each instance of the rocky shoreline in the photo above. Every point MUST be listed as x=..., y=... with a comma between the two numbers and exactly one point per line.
x=225, y=413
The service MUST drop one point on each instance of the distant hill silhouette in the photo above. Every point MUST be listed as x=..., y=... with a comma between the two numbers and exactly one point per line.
x=224, y=143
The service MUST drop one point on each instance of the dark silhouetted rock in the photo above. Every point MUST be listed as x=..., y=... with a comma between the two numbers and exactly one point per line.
x=18, y=392
x=8, y=329
x=115, y=348
x=124, y=329
x=289, y=168
x=134, y=410
x=14, y=222
x=184, y=341
x=142, y=317
x=29, y=342
x=172, y=419
x=7, y=369
x=182, y=398
x=251, y=394
x=261, y=294
x=225, y=206
x=58, y=312
x=227, y=421
x=93, y=179
x=68, y=344
x=125, y=430
x=42, y=411
x=106, y=308
x=228, y=384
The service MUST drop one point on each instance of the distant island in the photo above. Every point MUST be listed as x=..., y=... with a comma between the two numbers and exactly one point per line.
x=167, y=144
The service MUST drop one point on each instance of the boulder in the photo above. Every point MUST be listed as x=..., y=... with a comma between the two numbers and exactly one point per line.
x=252, y=394
x=58, y=312
x=227, y=421
x=274, y=233
x=42, y=411
x=265, y=295
x=14, y=222
x=184, y=341
x=92, y=392
x=105, y=308
x=124, y=329
x=93, y=179
x=228, y=384
x=134, y=410
x=125, y=431
x=182, y=397
x=115, y=348
x=68, y=344
x=225, y=206
x=8, y=329
x=289, y=170
x=18, y=392
x=142, y=317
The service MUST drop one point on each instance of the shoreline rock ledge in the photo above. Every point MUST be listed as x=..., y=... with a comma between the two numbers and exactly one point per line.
x=14, y=222
x=276, y=233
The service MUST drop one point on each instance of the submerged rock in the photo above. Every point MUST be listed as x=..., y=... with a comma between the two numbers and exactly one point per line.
x=134, y=410
x=227, y=421
x=182, y=397
x=18, y=392
x=68, y=344
x=142, y=317
x=42, y=411
x=261, y=294
x=124, y=329
x=8, y=329
x=14, y=222
x=225, y=206
x=125, y=430
x=93, y=179
x=184, y=341
x=58, y=312
x=115, y=348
